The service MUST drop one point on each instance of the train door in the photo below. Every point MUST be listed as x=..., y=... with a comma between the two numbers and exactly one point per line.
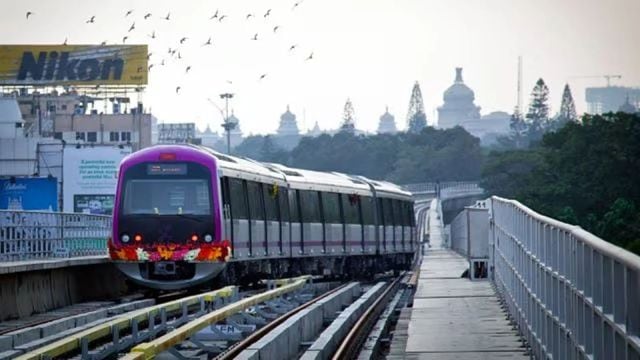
x=367, y=206
x=236, y=216
x=352, y=222
x=296, y=241
x=284, y=217
x=272, y=221
x=333, y=227
x=312, y=225
x=256, y=219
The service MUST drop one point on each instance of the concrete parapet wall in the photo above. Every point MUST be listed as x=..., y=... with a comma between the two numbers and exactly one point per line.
x=29, y=292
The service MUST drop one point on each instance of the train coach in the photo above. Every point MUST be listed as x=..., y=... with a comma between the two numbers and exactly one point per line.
x=185, y=214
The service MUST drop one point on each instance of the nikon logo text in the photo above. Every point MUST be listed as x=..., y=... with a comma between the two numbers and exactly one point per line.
x=57, y=66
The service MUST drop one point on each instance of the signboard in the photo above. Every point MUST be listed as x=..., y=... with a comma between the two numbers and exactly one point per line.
x=89, y=178
x=176, y=133
x=73, y=65
x=29, y=194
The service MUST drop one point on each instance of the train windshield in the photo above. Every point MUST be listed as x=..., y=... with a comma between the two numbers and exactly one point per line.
x=180, y=189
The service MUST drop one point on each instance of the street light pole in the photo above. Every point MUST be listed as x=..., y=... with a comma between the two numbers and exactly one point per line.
x=228, y=126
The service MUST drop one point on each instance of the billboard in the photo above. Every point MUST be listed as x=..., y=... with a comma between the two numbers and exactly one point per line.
x=176, y=133
x=73, y=65
x=89, y=178
x=29, y=194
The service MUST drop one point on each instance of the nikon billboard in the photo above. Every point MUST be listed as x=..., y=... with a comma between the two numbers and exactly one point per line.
x=51, y=65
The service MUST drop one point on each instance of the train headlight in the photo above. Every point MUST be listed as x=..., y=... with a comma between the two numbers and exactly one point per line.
x=125, y=238
x=208, y=238
x=137, y=238
x=194, y=237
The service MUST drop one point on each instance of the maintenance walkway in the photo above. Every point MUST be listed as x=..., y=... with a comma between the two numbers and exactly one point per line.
x=454, y=317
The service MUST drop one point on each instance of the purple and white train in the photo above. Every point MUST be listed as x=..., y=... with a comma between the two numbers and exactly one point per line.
x=185, y=214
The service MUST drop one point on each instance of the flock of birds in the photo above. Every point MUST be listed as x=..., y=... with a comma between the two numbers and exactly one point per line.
x=175, y=52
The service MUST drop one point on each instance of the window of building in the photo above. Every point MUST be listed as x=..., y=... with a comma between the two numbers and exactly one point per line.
x=114, y=136
x=80, y=136
x=57, y=135
x=63, y=107
x=92, y=136
x=125, y=136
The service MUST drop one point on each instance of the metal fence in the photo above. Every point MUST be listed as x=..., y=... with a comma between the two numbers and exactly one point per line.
x=30, y=235
x=573, y=295
x=431, y=187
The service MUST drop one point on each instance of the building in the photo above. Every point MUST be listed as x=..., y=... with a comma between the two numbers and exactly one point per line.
x=235, y=134
x=610, y=98
x=315, y=131
x=176, y=133
x=628, y=107
x=77, y=118
x=209, y=138
x=489, y=127
x=458, y=106
x=387, y=124
x=288, y=134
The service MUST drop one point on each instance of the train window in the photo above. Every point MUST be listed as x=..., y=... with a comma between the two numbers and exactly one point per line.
x=368, y=211
x=381, y=213
x=398, y=213
x=310, y=206
x=388, y=213
x=331, y=208
x=408, y=215
x=412, y=214
x=238, y=201
x=293, y=205
x=254, y=194
x=270, y=193
x=283, y=203
x=350, y=208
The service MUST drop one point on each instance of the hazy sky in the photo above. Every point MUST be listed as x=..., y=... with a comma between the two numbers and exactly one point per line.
x=369, y=50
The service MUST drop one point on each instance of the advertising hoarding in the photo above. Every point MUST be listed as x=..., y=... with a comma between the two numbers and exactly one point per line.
x=89, y=178
x=73, y=65
x=29, y=194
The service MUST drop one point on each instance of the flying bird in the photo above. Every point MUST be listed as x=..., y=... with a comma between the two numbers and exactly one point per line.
x=267, y=13
x=310, y=56
x=170, y=50
x=148, y=15
x=65, y=41
x=124, y=39
x=208, y=42
x=150, y=66
x=133, y=26
x=263, y=76
x=214, y=15
x=178, y=90
x=188, y=68
x=128, y=13
x=255, y=37
x=183, y=40
x=162, y=63
x=167, y=17
x=249, y=15
x=275, y=28
x=29, y=13
x=293, y=47
x=296, y=5
x=229, y=82
x=149, y=55
x=179, y=56
x=153, y=34
x=92, y=20
x=222, y=18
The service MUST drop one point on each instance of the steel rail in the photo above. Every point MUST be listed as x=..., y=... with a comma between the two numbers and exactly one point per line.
x=238, y=347
x=352, y=343
x=123, y=322
x=150, y=350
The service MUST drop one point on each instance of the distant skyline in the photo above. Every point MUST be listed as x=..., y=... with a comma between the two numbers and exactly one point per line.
x=371, y=51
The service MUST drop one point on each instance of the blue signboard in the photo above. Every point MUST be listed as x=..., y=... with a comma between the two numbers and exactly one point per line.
x=29, y=194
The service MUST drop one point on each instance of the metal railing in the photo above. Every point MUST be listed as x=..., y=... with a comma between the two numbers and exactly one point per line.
x=431, y=187
x=33, y=235
x=573, y=295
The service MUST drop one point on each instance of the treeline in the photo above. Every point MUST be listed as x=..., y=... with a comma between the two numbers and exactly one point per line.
x=431, y=155
x=587, y=174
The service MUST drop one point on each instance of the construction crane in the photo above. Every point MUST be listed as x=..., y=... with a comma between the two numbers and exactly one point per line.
x=608, y=77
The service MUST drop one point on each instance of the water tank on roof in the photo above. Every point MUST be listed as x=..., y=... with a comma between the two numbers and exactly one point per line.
x=11, y=122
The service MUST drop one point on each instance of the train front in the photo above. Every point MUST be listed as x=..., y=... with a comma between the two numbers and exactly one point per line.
x=167, y=231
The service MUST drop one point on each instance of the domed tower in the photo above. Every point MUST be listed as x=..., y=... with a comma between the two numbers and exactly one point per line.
x=236, y=133
x=288, y=124
x=628, y=107
x=387, y=124
x=458, y=104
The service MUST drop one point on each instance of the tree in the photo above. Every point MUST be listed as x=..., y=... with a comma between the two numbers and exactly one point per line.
x=538, y=115
x=519, y=129
x=567, y=109
x=416, y=118
x=348, y=119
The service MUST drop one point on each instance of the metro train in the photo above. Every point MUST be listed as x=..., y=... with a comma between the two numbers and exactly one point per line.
x=185, y=214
